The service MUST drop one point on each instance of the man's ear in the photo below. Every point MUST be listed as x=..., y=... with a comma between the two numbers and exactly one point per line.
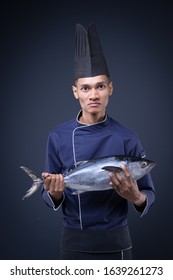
x=74, y=89
x=110, y=88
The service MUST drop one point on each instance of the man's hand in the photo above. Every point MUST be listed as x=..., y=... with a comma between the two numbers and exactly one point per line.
x=127, y=188
x=54, y=184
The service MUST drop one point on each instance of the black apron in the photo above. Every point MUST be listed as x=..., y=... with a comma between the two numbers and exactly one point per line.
x=87, y=244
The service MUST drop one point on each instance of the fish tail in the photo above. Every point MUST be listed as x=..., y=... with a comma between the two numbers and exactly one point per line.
x=37, y=182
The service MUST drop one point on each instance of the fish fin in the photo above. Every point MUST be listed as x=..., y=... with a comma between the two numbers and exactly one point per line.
x=78, y=163
x=29, y=172
x=77, y=192
x=35, y=186
x=37, y=182
x=112, y=168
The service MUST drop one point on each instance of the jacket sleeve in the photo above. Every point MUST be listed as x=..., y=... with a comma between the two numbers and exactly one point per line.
x=48, y=200
x=53, y=165
x=145, y=184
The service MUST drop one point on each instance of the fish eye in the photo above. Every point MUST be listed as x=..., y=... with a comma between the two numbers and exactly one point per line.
x=144, y=164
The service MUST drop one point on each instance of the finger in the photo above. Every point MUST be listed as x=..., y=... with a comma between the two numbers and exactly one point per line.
x=57, y=183
x=114, y=181
x=53, y=182
x=61, y=183
x=126, y=172
x=119, y=177
x=47, y=182
x=44, y=175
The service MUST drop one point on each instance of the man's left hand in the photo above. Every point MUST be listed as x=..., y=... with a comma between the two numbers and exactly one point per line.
x=127, y=188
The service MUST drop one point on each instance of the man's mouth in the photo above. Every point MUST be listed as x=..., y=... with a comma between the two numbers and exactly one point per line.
x=94, y=104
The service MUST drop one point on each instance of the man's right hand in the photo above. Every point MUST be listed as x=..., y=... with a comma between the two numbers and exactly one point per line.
x=54, y=184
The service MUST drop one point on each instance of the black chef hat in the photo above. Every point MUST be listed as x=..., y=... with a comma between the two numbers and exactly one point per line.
x=89, y=58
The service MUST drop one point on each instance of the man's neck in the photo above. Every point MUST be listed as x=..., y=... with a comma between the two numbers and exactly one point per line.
x=90, y=118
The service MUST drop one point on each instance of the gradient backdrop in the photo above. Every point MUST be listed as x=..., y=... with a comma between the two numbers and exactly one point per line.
x=37, y=51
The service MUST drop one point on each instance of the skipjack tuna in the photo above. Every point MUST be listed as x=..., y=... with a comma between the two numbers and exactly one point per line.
x=93, y=175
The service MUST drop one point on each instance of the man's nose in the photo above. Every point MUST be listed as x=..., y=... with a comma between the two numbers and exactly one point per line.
x=94, y=94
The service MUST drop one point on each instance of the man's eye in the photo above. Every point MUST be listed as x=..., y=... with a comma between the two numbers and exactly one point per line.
x=85, y=89
x=101, y=86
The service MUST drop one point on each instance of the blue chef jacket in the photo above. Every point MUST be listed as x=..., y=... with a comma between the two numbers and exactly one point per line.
x=72, y=142
x=97, y=220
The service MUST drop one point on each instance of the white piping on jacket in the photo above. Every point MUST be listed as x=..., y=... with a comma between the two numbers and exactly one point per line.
x=80, y=212
x=75, y=163
x=79, y=127
x=74, y=157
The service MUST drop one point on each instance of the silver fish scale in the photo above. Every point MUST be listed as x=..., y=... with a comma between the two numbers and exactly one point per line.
x=91, y=176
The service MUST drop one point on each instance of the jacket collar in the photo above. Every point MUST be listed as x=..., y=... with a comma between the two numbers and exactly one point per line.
x=94, y=125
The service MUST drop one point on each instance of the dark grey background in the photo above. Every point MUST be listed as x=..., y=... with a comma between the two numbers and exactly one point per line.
x=37, y=50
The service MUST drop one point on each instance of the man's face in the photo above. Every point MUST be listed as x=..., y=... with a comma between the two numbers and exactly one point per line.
x=93, y=94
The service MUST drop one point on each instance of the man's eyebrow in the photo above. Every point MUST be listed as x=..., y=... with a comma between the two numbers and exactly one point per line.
x=101, y=82
x=90, y=85
x=84, y=85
